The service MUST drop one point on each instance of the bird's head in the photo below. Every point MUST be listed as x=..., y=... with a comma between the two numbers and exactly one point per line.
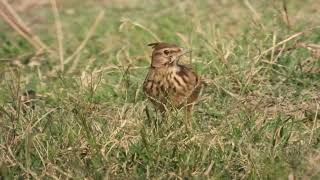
x=165, y=54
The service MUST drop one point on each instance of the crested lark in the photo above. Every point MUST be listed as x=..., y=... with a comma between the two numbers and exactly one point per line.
x=168, y=83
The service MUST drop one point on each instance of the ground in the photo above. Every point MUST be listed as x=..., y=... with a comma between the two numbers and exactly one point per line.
x=257, y=117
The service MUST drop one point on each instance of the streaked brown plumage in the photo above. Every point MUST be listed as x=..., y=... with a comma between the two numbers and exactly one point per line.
x=168, y=83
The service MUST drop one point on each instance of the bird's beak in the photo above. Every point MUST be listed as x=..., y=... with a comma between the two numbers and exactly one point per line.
x=177, y=58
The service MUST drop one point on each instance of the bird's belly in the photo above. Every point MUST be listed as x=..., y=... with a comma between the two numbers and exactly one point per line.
x=169, y=89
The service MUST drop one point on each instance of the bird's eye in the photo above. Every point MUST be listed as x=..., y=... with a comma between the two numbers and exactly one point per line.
x=166, y=52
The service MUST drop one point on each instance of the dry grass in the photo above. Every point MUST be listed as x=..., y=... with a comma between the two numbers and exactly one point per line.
x=258, y=116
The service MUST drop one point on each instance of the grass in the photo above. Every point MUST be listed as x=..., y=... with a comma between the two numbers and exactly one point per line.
x=257, y=118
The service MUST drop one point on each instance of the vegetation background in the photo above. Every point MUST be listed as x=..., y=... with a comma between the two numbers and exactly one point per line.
x=257, y=118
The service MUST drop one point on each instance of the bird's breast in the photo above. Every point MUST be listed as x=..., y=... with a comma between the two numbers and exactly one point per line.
x=173, y=82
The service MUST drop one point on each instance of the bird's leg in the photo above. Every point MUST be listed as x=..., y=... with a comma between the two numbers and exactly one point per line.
x=149, y=121
x=164, y=115
x=188, y=116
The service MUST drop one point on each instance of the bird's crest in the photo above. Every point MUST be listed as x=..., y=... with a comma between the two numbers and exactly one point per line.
x=161, y=45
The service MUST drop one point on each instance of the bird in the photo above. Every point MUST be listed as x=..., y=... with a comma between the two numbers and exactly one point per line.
x=170, y=84
x=27, y=99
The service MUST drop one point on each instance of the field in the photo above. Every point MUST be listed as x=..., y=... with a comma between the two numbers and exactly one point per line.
x=257, y=117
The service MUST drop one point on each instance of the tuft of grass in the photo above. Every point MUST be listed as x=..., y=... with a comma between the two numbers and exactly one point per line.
x=257, y=118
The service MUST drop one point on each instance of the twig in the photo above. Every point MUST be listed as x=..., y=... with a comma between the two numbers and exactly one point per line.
x=279, y=44
x=88, y=36
x=59, y=32
x=314, y=123
x=294, y=36
x=126, y=20
x=13, y=19
x=256, y=15
x=228, y=92
x=285, y=9
x=7, y=19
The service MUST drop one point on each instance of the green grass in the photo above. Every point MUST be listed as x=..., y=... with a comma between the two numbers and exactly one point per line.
x=257, y=118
